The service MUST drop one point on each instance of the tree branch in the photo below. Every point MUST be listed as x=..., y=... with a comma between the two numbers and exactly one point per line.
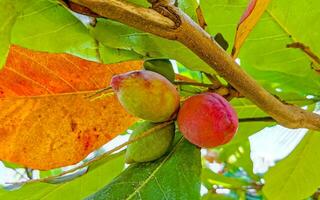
x=168, y=21
x=132, y=15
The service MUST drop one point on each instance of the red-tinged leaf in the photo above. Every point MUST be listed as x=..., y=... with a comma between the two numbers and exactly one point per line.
x=247, y=22
x=46, y=119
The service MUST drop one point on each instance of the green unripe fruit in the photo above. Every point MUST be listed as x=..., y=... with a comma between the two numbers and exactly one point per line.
x=147, y=95
x=160, y=66
x=151, y=147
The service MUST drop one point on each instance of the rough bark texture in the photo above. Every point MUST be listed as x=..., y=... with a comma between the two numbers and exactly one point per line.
x=167, y=21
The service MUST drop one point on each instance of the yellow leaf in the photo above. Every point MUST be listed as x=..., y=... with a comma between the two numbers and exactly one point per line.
x=46, y=119
x=247, y=22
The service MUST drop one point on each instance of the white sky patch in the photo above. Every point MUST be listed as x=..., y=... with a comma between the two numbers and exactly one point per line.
x=203, y=152
x=116, y=142
x=223, y=191
x=238, y=61
x=215, y=167
x=203, y=190
x=175, y=66
x=278, y=89
x=272, y=144
x=8, y=175
x=85, y=20
x=310, y=97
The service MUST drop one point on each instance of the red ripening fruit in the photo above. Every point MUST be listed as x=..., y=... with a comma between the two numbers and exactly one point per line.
x=207, y=120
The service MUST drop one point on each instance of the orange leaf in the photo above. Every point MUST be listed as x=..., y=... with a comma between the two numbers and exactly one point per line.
x=46, y=119
x=247, y=22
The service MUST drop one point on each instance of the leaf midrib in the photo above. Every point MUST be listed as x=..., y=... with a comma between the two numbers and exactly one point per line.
x=155, y=171
x=275, y=19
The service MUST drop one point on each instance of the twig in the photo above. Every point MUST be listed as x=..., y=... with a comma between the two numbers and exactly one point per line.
x=29, y=173
x=257, y=119
x=306, y=50
x=214, y=80
x=99, y=92
x=195, y=84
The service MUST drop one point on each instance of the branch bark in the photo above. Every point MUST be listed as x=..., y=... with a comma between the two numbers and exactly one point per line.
x=167, y=21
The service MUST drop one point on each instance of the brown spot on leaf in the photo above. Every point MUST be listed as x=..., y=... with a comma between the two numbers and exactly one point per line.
x=73, y=125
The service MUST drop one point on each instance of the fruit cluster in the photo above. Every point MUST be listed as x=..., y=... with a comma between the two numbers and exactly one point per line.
x=206, y=120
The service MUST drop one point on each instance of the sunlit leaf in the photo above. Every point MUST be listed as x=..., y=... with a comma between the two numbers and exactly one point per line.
x=96, y=177
x=265, y=55
x=47, y=119
x=115, y=35
x=210, y=178
x=297, y=176
x=246, y=109
x=174, y=176
x=9, y=11
x=247, y=22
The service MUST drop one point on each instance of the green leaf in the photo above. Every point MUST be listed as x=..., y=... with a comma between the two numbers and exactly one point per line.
x=53, y=172
x=297, y=176
x=161, y=66
x=11, y=165
x=246, y=109
x=247, y=129
x=9, y=11
x=238, y=155
x=195, y=75
x=237, y=151
x=115, y=35
x=189, y=7
x=142, y=3
x=110, y=55
x=209, y=178
x=211, y=196
x=98, y=175
x=265, y=55
x=46, y=26
x=175, y=176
